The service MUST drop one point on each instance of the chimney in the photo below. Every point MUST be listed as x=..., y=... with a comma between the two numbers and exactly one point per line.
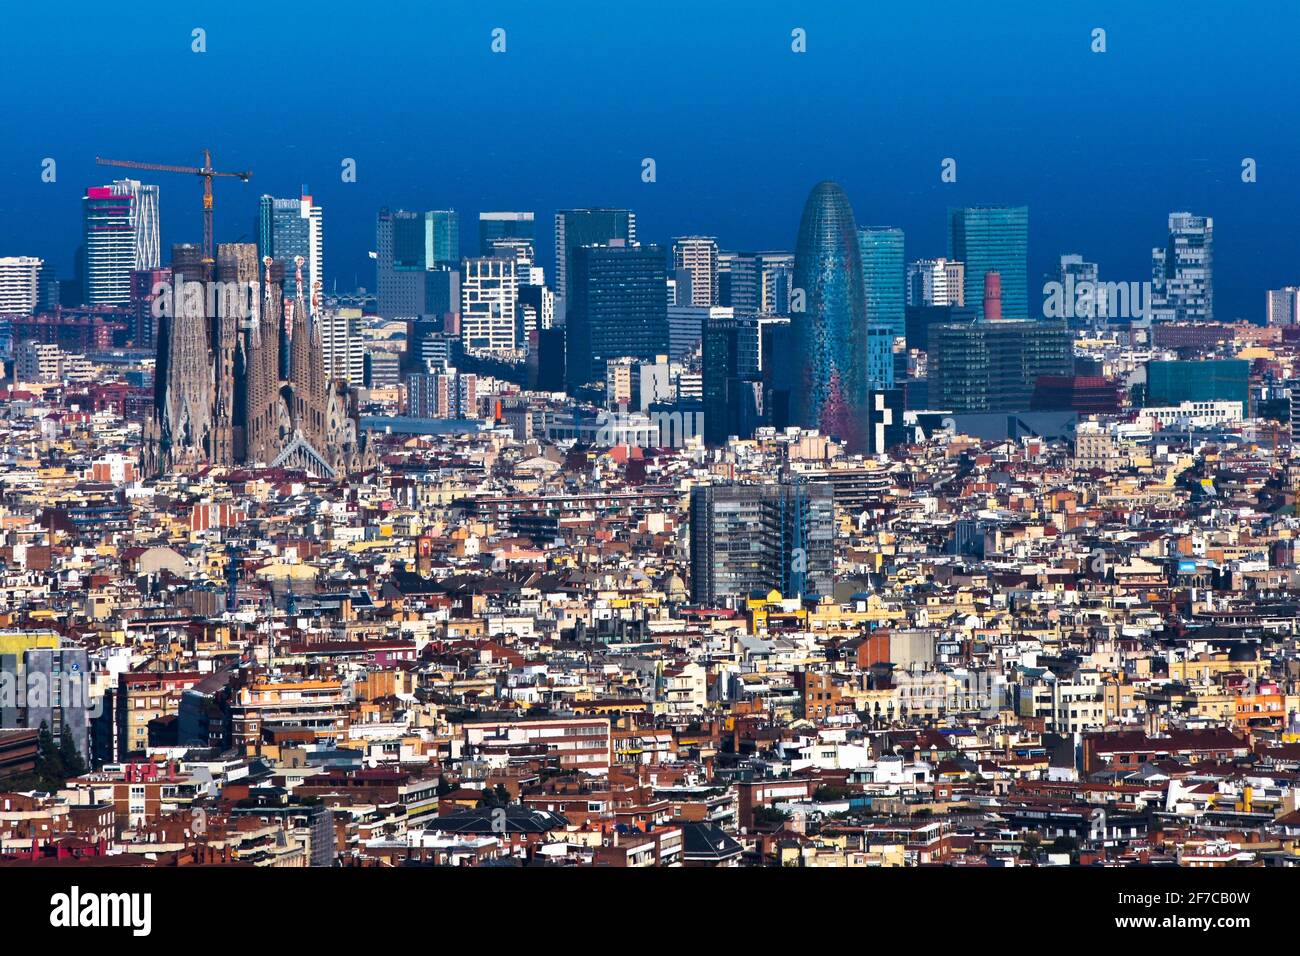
x=992, y=296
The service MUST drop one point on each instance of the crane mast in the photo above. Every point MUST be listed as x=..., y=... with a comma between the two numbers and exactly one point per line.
x=205, y=172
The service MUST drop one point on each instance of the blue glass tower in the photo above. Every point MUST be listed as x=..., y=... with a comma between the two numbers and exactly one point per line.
x=884, y=278
x=993, y=239
x=828, y=362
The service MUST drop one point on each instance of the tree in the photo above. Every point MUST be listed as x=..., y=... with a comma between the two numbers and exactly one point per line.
x=764, y=816
x=498, y=796
x=55, y=763
x=69, y=756
x=829, y=792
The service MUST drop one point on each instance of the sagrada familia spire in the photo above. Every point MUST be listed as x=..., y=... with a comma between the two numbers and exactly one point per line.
x=220, y=396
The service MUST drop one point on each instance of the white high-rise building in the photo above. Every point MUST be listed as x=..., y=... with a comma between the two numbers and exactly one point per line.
x=488, y=299
x=36, y=362
x=20, y=282
x=1283, y=306
x=699, y=255
x=936, y=282
x=342, y=349
x=148, y=239
x=1182, y=271
x=121, y=235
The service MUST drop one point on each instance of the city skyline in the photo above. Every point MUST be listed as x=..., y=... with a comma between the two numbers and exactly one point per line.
x=721, y=183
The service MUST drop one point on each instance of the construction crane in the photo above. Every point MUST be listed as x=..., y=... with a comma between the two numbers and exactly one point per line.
x=206, y=171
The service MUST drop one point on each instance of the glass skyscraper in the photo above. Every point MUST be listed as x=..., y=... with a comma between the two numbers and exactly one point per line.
x=287, y=228
x=442, y=237
x=993, y=239
x=587, y=227
x=880, y=356
x=618, y=306
x=418, y=267
x=828, y=365
x=884, y=273
x=503, y=225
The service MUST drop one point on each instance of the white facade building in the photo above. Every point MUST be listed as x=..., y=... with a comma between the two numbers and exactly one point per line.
x=20, y=280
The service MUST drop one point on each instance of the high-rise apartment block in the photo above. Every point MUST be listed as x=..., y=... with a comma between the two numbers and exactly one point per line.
x=1283, y=306
x=698, y=255
x=747, y=538
x=120, y=229
x=1182, y=271
x=488, y=297
x=936, y=282
x=20, y=284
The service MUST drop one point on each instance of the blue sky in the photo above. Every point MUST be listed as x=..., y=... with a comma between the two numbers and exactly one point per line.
x=1100, y=146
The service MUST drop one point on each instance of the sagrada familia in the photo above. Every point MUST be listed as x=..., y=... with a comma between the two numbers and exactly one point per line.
x=240, y=378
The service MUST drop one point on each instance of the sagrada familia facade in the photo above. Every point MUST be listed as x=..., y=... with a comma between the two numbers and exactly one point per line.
x=240, y=378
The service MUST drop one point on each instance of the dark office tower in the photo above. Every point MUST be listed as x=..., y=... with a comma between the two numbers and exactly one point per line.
x=587, y=227
x=760, y=283
x=747, y=538
x=884, y=272
x=993, y=239
x=287, y=228
x=828, y=360
x=617, y=308
x=400, y=264
x=994, y=366
x=143, y=297
x=732, y=363
x=503, y=225
x=441, y=291
x=425, y=344
x=550, y=360
x=920, y=318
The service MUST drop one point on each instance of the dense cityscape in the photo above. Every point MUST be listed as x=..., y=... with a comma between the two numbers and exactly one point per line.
x=667, y=555
x=567, y=537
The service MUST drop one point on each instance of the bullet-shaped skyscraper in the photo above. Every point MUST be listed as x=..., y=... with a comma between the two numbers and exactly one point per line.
x=828, y=383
